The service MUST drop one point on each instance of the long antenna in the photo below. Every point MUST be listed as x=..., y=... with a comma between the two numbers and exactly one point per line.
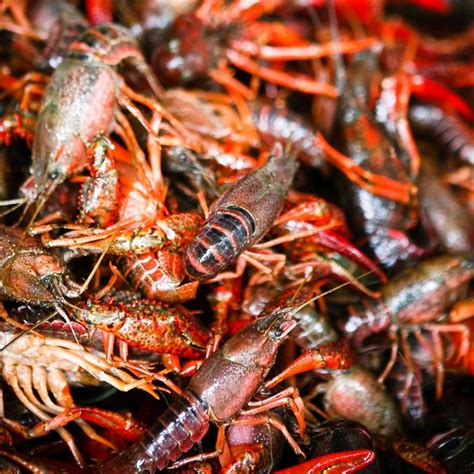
x=27, y=331
x=332, y=290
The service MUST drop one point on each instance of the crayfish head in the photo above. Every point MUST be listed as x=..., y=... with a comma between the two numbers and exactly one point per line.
x=277, y=326
x=54, y=157
x=257, y=343
x=29, y=278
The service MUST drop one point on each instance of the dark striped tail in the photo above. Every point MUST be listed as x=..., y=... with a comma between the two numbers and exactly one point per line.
x=224, y=236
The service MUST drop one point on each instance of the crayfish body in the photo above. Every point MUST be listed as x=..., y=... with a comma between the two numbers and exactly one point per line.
x=240, y=217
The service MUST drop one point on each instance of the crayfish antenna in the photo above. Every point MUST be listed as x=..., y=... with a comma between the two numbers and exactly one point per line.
x=11, y=202
x=27, y=331
x=332, y=290
x=15, y=203
x=305, y=280
x=43, y=197
x=97, y=264
x=66, y=317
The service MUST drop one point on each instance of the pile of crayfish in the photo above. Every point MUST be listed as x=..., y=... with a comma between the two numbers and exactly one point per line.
x=237, y=236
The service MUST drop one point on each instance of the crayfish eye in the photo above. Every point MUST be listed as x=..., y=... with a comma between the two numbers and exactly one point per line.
x=46, y=280
x=53, y=175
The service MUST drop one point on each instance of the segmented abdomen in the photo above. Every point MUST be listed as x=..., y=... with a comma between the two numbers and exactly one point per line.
x=159, y=276
x=184, y=423
x=145, y=273
x=449, y=129
x=281, y=125
x=313, y=329
x=224, y=236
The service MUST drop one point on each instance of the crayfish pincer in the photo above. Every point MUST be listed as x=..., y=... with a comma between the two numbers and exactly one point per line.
x=217, y=393
x=241, y=216
x=29, y=272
